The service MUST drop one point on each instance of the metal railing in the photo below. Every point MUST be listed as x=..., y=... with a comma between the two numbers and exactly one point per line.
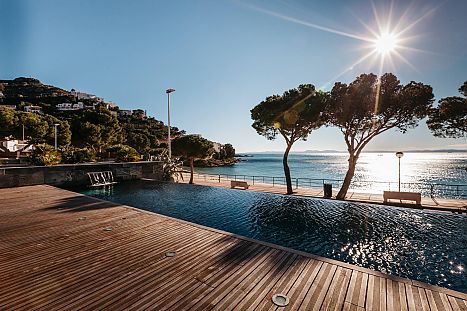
x=434, y=190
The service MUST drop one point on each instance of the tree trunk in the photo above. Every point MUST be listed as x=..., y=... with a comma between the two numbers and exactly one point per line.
x=348, y=177
x=288, y=179
x=191, y=170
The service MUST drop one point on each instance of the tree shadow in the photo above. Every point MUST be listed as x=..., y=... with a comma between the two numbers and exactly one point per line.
x=244, y=254
x=80, y=203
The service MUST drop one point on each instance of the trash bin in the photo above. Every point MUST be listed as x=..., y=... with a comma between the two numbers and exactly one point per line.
x=327, y=190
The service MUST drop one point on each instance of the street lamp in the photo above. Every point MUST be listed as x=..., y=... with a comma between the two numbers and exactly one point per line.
x=168, y=91
x=56, y=125
x=399, y=155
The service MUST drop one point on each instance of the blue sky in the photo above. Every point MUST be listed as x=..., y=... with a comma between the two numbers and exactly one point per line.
x=224, y=56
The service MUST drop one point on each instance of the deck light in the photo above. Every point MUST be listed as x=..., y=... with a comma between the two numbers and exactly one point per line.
x=170, y=253
x=280, y=300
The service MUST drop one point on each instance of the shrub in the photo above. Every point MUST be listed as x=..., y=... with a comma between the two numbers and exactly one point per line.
x=124, y=153
x=78, y=155
x=45, y=155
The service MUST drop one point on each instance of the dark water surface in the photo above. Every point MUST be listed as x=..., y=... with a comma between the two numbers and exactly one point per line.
x=423, y=245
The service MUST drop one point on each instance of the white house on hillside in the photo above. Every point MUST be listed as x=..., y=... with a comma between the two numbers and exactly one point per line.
x=82, y=95
x=14, y=148
x=70, y=106
x=33, y=109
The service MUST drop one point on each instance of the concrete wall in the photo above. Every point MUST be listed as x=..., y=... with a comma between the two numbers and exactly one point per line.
x=76, y=174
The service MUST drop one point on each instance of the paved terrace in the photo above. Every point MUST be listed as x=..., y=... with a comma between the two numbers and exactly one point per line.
x=60, y=250
x=453, y=205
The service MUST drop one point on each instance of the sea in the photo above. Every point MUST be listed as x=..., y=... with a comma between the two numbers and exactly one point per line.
x=439, y=174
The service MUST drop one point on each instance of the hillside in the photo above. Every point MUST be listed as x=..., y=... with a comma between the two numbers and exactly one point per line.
x=30, y=91
x=86, y=120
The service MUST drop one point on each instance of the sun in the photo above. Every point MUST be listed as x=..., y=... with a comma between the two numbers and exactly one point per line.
x=385, y=43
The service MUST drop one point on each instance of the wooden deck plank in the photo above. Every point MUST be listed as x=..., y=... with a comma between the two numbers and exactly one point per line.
x=243, y=288
x=87, y=271
x=50, y=259
x=254, y=297
x=86, y=267
x=107, y=283
x=300, y=288
x=226, y=285
x=376, y=294
x=170, y=278
x=335, y=297
x=284, y=284
x=319, y=288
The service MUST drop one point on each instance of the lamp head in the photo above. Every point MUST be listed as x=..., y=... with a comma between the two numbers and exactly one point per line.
x=168, y=91
x=399, y=154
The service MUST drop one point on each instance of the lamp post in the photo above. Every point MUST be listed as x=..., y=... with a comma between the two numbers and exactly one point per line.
x=169, y=143
x=23, y=133
x=56, y=125
x=399, y=155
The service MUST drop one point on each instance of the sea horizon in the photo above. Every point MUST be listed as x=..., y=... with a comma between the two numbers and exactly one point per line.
x=375, y=172
x=330, y=151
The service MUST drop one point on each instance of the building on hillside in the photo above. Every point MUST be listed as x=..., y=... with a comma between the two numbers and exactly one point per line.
x=33, y=109
x=122, y=113
x=110, y=105
x=13, y=107
x=140, y=114
x=82, y=95
x=70, y=106
x=1, y=97
x=14, y=148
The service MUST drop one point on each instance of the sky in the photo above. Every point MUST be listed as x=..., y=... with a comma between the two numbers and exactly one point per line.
x=223, y=57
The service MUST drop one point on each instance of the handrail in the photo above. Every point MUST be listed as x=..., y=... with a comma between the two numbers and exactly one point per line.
x=439, y=190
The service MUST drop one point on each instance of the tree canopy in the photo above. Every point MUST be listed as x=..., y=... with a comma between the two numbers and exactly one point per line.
x=192, y=147
x=370, y=106
x=38, y=128
x=95, y=129
x=449, y=119
x=293, y=115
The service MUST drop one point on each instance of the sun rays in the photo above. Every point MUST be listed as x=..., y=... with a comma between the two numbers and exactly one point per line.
x=385, y=42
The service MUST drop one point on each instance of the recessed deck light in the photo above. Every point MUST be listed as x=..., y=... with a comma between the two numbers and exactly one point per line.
x=170, y=253
x=108, y=229
x=280, y=300
x=82, y=218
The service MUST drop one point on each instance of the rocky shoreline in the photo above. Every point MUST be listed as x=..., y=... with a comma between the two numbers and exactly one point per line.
x=216, y=162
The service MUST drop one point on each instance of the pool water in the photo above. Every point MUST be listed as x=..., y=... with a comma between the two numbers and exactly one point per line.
x=423, y=245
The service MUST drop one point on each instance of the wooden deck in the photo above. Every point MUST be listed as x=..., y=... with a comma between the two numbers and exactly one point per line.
x=450, y=205
x=60, y=250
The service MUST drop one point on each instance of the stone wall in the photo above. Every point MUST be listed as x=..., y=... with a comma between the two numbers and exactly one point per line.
x=76, y=174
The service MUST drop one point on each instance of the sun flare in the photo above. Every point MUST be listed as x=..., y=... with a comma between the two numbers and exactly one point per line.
x=386, y=43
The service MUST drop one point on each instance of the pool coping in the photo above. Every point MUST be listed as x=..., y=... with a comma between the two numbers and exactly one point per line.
x=444, y=290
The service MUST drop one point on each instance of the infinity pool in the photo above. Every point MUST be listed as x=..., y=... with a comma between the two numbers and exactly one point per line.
x=422, y=245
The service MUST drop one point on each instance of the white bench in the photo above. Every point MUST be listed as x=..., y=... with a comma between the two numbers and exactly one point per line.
x=411, y=196
x=237, y=183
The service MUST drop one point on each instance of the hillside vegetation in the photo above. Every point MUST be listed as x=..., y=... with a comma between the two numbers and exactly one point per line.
x=97, y=130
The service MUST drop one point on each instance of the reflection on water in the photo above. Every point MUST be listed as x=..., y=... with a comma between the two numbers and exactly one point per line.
x=422, y=245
